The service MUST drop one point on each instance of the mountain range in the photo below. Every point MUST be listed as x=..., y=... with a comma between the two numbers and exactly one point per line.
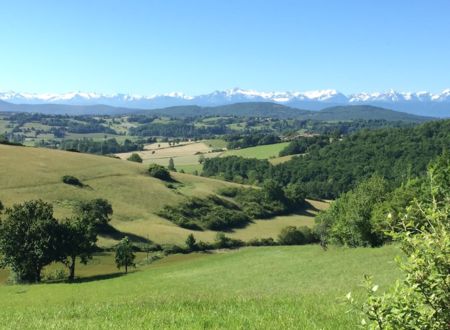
x=420, y=103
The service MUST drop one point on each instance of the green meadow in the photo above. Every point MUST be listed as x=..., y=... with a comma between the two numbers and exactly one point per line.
x=301, y=287
x=259, y=152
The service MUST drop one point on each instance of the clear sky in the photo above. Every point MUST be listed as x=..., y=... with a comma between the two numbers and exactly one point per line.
x=196, y=46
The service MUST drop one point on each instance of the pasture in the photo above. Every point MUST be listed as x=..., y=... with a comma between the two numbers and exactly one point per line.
x=301, y=287
x=259, y=152
x=31, y=173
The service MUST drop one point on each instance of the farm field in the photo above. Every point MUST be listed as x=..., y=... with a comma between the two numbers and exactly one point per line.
x=259, y=152
x=301, y=287
x=30, y=173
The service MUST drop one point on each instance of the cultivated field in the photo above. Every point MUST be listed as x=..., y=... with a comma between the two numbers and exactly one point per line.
x=300, y=287
x=259, y=152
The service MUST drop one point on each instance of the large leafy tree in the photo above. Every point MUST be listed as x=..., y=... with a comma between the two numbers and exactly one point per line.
x=79, y=236
x=29, y=239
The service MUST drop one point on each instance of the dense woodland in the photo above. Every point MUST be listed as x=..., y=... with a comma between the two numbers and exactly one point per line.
x=328, y=171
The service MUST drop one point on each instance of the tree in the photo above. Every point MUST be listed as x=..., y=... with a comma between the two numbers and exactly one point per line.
x=98, y=211
x=135, y=158
x=348, y=221
x=29, y=239
x=124, y=254
x=201, y=159
x=78, y=240
x=171, y=166
x=159, y=172
x=191, y=242
x=421, y=300
x=1, y=207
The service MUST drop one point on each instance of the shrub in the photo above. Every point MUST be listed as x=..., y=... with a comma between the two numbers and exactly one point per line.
x=135, y=158
x=69, y=179
x=262, y=242
x=225, y=242
x=291, y=236
x=159, y=172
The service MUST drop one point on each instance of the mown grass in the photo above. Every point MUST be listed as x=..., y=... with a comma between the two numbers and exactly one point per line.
x=259, y=152
x=253, y=288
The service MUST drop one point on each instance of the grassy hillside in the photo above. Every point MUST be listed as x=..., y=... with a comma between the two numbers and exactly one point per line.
x=31, y=173
x=253, y=288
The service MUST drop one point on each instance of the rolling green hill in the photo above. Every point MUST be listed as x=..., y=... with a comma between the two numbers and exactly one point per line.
x=252, y=288
x=366, y=112
x=31, y=173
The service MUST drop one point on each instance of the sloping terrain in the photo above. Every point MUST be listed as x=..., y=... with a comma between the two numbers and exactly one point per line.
x=31, y=173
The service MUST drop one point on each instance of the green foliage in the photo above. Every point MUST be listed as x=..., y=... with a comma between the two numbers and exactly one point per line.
x=71, y=180
x=1, y=207
x=303, y=145
x=224, y=242
x=108, y=146
x=79, y=236
x=134, y=157
x=422, y=299
x=237, y=141
x=29, y=239
x=348, y=221
x=191, y=243
x=171, y=166
x=97, y=211
x=291, y=235
x=326, y=172
x=124, y=254
x=210, y=213
x=159, y=172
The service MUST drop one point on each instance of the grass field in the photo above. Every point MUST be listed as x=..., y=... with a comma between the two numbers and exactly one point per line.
x=32, y=173
x=252, y=288
x=259, y=152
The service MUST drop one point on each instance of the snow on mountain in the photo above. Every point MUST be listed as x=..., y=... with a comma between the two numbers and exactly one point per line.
x=414, y=102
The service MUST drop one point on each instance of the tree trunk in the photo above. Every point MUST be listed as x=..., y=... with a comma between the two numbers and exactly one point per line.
x=126, y=268
x=72, y=268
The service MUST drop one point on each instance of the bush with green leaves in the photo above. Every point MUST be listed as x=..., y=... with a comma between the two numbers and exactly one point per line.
x=134, y=157
x=348, y=221
x=421, y=299
x=124, y=254
x=71, y=180
x=159, y=172
x=292, y=235
x=212, y=213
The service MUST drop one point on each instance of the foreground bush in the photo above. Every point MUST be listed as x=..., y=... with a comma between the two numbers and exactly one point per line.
x=422, y=299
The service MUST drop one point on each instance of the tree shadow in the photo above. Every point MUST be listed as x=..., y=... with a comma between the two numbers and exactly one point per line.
x=109, y=231
x=99, y=277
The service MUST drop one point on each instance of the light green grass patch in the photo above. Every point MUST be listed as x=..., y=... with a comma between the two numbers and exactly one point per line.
x=259, y=152
x=253, y=288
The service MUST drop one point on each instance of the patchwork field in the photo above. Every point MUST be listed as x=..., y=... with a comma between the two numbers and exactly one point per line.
x=259, y=152
x=30, y=173
x=253, y=288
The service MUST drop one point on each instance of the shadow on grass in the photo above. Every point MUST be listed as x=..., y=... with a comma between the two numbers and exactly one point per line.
x=99, y=277
x=111, y=232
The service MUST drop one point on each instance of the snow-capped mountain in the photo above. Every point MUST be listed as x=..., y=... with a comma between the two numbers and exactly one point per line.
x=423, y=103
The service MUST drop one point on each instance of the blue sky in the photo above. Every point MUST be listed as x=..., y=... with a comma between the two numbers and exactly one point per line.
x=196, y=46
